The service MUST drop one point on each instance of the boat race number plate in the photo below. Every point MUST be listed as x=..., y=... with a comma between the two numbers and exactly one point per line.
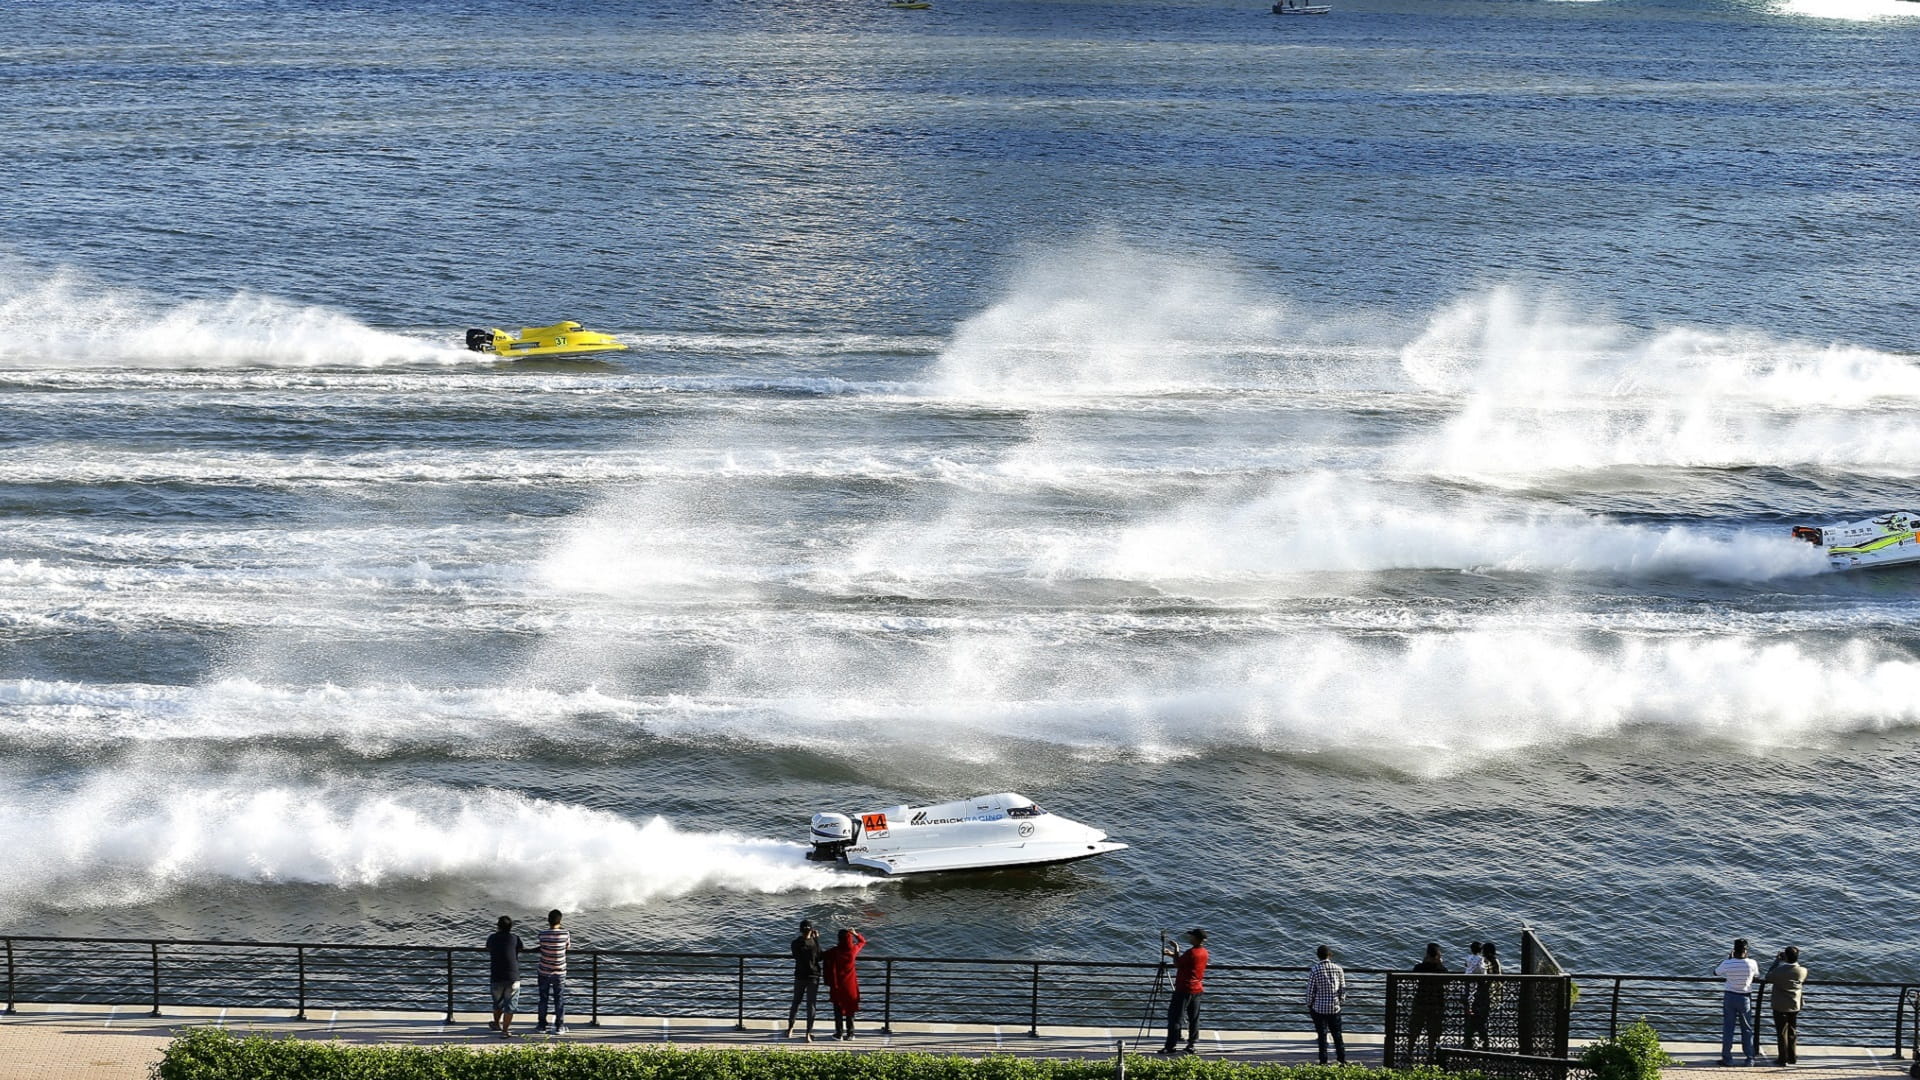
x=874, y=824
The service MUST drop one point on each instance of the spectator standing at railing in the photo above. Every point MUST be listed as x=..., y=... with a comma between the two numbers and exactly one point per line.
x=1740, y=971
x=1429, y=1000
x=503, y=959
x=552, y=974
x=1476, y=965
x=1787, y=977
x=843, y=981
x=1326, y=992
x=1189, y=982
x=806, y=977
x=1480, y=1004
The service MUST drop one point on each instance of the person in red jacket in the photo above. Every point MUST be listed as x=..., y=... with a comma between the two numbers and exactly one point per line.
x=843, y=981
x=1189, y=971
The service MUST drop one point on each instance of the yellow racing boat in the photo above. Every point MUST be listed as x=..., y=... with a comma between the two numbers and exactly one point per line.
x=560, y=339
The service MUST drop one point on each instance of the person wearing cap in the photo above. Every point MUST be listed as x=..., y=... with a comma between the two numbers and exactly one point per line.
x=1788, y=977
x=1189, y=973
x=806, y=975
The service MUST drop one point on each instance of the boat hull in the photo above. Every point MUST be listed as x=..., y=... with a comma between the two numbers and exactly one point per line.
x=933, y=862
x=562, y=340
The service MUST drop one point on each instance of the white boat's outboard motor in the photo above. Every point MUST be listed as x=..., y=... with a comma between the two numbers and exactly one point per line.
x=831, y=835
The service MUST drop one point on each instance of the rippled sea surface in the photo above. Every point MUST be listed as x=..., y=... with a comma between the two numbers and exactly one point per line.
x=1348, y=459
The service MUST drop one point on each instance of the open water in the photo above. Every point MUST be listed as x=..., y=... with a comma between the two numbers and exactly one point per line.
x=1348, y=459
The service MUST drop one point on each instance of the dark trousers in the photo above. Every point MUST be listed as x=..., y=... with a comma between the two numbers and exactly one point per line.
x=807, y=987
x=1429, y=1020
x=1786, y=1036
x=1329, y=1023
x=557, y=986
x=1187, y=1004
x=1479, y=1009
x=842, y=1022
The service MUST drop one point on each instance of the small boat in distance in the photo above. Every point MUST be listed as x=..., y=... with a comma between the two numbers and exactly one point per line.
x=1891, y=539
x=987, y=832
x=910, y=5
x=1295, y=7
x=560, y=339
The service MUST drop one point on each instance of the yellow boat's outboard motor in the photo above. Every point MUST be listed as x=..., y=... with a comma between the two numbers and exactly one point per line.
x=831, y=834
x=480, y=340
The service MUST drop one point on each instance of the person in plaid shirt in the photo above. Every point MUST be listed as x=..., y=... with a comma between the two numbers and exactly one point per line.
x=1326, y=988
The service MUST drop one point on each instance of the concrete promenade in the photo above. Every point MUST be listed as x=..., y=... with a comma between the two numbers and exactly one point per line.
x=85, y=1042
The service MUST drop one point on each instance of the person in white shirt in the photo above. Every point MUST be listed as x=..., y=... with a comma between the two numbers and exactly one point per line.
x=1476, y=965
x=1740, y=971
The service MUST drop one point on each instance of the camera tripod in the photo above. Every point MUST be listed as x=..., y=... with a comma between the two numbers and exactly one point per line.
x=1153, y=996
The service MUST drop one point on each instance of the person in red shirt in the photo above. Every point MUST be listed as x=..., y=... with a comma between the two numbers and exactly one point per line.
x=1189, y=971
x=843, y=981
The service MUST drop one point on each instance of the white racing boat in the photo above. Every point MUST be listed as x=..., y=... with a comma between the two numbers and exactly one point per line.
x=1887, y=540
x=988, y=832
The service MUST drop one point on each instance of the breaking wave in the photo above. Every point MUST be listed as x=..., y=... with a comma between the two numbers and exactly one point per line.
x=1123, y=685
x=65, y=320
x=1100, y=317
x=132, y=837
x=1540, y=390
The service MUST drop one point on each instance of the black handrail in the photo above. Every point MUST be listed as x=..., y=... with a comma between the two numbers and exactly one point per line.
x=300, y=976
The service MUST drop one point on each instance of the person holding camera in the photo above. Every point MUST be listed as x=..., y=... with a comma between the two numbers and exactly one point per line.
x=1787, y=977
x=806, y=977
x=1189, y=973
x=1740, y=972
x=843, y=980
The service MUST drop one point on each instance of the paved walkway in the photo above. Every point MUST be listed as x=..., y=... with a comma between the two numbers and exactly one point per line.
x=80, y=1042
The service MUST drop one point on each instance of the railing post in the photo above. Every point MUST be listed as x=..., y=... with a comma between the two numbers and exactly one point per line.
x=886, y=1001
x=1903, y=994
x=740, y=996
x=1392, y=1022
x=300, y=959
x=1033, y=1005
x=449, y=986
x=593, y=967
x=1613, y=1013
x=1899, y=1014
x=155, y=951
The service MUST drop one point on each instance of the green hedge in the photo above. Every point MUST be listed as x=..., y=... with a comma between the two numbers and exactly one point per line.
x=216, y=1054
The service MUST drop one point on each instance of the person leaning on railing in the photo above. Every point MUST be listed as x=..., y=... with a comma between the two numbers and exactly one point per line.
x=1326, y=992
x=1787, y=977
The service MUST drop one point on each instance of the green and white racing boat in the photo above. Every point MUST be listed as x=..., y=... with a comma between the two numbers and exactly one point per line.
x=1888, y=540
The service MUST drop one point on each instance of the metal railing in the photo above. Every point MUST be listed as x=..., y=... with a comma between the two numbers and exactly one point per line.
x=1022, y=994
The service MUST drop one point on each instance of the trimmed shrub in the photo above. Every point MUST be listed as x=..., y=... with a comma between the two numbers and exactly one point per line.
x=1634, y=1054
x=217, y=1054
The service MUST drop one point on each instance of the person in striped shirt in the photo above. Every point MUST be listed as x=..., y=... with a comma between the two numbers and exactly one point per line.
x=553, y=973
